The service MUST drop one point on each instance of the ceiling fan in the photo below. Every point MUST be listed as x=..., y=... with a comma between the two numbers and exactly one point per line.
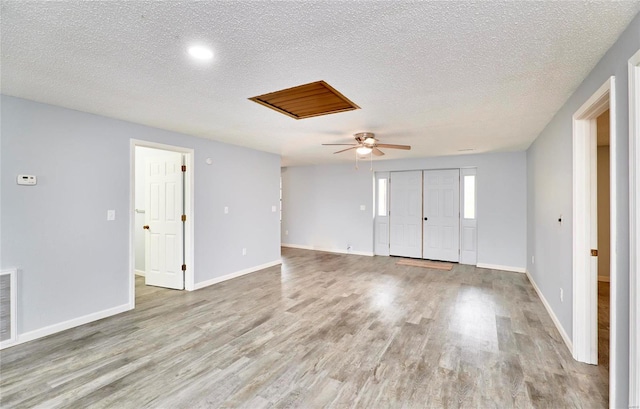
x=367, y=143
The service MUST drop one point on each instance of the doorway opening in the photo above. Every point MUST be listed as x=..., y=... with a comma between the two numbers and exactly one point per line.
x=587, y=219
x=604, y=238
x=161, y=217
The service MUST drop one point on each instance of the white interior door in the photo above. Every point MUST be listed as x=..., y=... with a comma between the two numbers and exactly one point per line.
x=442, y=215
x=164, y=210
x=405, y=214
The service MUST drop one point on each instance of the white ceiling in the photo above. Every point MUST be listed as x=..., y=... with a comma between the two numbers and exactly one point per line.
x=441, y=76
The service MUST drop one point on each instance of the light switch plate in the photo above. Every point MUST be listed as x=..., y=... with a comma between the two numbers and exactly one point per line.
x=273, y=209
x=111, y=215
x=363, y=207
x=226, y=210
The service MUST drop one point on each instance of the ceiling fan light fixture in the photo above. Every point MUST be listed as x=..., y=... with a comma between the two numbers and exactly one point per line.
x=364, y=150
x=369, y=141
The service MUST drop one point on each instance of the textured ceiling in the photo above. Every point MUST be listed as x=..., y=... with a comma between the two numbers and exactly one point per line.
x=441, y=76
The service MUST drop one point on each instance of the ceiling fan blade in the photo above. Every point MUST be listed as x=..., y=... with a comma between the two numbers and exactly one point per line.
x=386, y=145
x=377, y=152
x=340, y=144
x=348, y=149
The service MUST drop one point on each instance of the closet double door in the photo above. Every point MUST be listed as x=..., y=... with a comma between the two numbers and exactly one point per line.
x=424, y=214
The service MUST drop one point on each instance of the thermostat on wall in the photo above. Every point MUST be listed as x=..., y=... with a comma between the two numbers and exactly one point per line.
x=28, y=180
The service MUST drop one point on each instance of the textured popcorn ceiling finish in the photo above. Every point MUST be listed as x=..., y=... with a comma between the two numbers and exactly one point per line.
x=440, y=76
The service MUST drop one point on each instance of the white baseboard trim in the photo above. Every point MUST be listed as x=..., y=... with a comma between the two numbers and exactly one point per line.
x=604, y=279
x=140, y=273
x=314, y=248
x=555, y=320
x=503, y=268
x=72, y=323
x=249, y=270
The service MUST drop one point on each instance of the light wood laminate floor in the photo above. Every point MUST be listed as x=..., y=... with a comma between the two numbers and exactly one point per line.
x=604, y=311
x=325, y=330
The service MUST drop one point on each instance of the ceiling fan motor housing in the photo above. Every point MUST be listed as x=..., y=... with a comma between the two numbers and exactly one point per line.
x=367, y=138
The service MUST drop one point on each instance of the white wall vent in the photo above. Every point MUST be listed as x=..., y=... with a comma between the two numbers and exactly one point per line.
x=8, y=315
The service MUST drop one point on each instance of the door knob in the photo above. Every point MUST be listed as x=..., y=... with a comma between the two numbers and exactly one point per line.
x=425, y=218
x=146, y=227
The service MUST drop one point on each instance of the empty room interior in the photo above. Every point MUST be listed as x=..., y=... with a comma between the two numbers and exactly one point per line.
x=317, y=204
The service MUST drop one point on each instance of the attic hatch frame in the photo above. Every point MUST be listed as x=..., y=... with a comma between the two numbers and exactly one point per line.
x=306, y=101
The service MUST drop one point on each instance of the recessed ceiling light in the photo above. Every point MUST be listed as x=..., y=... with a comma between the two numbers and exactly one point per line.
x=201, y=53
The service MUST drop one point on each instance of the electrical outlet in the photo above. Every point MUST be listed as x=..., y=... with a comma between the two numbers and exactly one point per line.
x=244, y=251
x=561, y=295
x=226, y=210
x=273, y=209
x=533, y=259
x=363, y=207
x=286, y=232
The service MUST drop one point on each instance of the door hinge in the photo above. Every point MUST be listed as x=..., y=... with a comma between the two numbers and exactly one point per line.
x=184, y=168
x=594, y=252
x=184, y=267
x=184, y=217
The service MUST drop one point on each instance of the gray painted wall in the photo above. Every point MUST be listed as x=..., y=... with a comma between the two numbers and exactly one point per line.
x=321, y=207
x=321, y=204
x=72, y=261
x=549, y=177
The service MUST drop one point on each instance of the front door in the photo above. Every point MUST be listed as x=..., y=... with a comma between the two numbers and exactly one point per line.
x=442, y=215
x=405, y=213
x=164, y=209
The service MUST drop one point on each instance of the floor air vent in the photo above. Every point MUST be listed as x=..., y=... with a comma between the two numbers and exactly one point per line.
x=8, y=332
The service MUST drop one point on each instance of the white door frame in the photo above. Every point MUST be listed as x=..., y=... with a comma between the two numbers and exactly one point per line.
x=189, y=211
x=585, y=267
x=634, y=229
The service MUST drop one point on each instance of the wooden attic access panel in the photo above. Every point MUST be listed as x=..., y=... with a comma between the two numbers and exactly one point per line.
x=308, y=100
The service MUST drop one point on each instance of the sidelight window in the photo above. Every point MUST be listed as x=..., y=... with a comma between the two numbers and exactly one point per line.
x=382, y=197
x=469, y=211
